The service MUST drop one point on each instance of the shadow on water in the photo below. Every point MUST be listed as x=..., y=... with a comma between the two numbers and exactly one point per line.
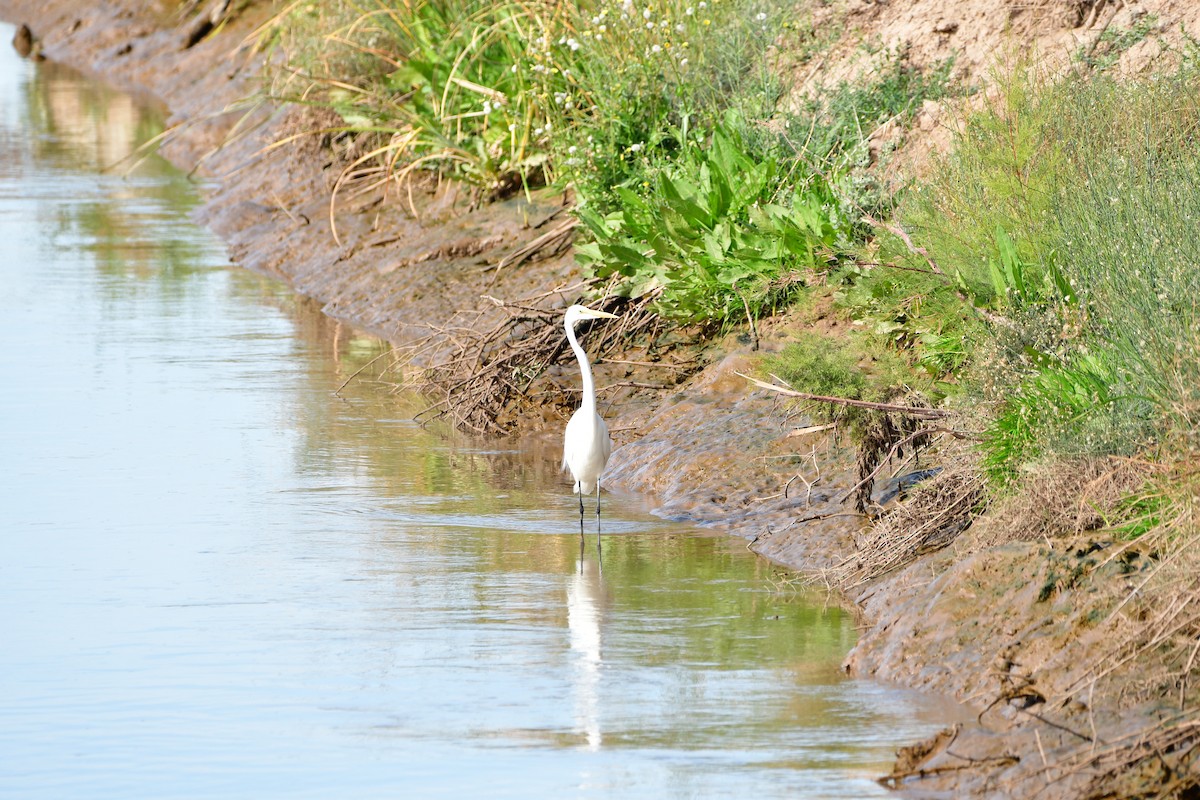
x=228, y=581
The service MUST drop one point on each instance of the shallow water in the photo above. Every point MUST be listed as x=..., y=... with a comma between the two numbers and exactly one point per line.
x=219, y=579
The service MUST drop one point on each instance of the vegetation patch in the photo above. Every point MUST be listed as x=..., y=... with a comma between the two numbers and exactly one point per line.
x=722, y=238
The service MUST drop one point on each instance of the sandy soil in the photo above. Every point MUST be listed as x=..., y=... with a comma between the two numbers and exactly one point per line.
x=969, y=622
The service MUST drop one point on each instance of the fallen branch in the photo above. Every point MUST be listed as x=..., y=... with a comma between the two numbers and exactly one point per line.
x=915, y=411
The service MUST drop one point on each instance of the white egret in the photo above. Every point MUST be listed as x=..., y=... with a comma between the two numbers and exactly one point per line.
x=586, y=444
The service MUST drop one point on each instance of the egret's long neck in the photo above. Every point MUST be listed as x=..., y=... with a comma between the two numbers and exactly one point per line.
x=589, y=389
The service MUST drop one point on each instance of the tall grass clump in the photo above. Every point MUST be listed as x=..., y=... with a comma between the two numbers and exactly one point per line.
x=430, y=85
x=1064, y=223
x=647, y=80
x=1135, y=254
x=832, y=131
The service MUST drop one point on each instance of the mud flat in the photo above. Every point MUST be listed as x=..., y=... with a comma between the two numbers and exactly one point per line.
x=1010, y=630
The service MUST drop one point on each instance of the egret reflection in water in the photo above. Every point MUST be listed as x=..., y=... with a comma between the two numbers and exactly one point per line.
x=586, y=600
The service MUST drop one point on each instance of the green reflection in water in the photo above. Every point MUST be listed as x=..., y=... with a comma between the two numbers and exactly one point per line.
x=132, y=228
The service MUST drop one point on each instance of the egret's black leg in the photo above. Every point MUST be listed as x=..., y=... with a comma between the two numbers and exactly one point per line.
x=597, y=516
x=581, y=519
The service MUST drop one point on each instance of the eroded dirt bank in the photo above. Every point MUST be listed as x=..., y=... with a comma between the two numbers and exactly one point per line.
x=1001, y=628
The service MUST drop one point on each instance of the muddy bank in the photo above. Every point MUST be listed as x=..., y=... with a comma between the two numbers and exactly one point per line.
x=977, y=624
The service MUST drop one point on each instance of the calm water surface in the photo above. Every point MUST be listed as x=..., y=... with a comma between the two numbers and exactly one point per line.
x=217, y=579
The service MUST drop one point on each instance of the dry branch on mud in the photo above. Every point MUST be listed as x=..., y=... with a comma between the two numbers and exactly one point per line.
x=492, y=358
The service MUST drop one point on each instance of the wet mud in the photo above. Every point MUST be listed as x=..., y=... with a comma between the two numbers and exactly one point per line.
x=974, y=624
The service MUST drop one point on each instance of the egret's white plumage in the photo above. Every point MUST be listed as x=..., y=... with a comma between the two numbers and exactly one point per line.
x=586, y=448
x=586, y=444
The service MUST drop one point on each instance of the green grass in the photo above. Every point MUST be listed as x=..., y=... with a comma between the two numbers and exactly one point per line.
x=1114, y=42
x=832, y=126
x=1064, y=225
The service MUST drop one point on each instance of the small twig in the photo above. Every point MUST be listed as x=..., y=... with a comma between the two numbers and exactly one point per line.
x=749, y=316
x=893, y=266
x=1042, y=751
x=359, y=371
x=894, y=780
x=818, y=517
x=908, y=242
x=633, y=385
x=524, y=252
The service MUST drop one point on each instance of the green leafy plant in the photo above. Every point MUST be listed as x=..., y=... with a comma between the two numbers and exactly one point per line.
x=1019, y=284
x=713, y=239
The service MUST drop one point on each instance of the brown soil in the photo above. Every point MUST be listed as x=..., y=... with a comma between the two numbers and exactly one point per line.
x=1005, y=628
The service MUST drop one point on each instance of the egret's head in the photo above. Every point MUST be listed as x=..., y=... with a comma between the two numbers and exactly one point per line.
x=577, y=313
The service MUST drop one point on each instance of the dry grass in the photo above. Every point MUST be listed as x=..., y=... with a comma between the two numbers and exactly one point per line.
x=1145, y=652
x=1063, y=498
x=936, y=512
x=887, y=436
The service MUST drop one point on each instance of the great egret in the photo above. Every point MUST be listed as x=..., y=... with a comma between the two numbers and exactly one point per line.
x=586, y=445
